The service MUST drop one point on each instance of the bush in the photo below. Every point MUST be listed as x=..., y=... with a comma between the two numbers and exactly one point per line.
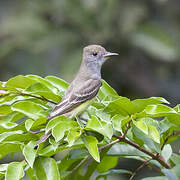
x=117, y=127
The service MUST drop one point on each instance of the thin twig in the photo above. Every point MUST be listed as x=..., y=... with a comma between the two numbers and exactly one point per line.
x=174, y=133
x=127, y=128
x=42, y=139
x=89, y=157
x=139, y=168
x=110, y=144
x=155, y=156
x=37, y=97
x=78, y=166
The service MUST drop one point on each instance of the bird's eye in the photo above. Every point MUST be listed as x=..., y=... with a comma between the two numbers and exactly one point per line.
x=94, y=53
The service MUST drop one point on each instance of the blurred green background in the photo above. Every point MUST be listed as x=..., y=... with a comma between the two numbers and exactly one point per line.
x=46, y=38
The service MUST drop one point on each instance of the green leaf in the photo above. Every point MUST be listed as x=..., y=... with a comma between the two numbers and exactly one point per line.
x=119, y=121
x=9, y=147
x=60, y=84
x=174, y=118
x=29, y=109
x=49, y=150
x=77, y=154
x=153, y=133
x=5, y=135
x=107, y=163
x=3, y=167
x=53, y=122
x=59, y=130
x=31, y=174
x=154, y=146
x=166, y=152
x=91, y=144
x=169, y=174
x=28, y=124
x=125, y=150
x=15, y=171
x=46, y=169
x=175, y=158
x=30, y=153
x=159, y=110
x=141, y=125
x=42, y=90
x=177, y=108
x=121, y=106
x=19, y=81
x=113, y=171
x=4, y=110
x=176, y=171
x=6, y=100
x=106, y=91
x=156, y=178
x=6, y=126
x=44, y=82
x=14, y=116
x=140, y=104
x=72, y=136
x=102, y=127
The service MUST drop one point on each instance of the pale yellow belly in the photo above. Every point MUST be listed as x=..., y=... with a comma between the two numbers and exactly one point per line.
x=79, y=110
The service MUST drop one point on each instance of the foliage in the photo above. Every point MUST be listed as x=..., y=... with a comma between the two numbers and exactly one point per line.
x=46, y=37
x=117, y=127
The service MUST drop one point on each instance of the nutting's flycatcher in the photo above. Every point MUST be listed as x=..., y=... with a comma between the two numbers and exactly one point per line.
x=84, y=87
x=86, y=84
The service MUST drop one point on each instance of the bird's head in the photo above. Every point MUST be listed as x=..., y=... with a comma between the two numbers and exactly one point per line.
x=96, y=55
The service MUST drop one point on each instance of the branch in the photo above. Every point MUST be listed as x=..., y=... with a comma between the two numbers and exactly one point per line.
x=155, y=156
x=139, y=168
x=38, y=97
x=78, y=166
x=89, y=157
x=174, y=133
x=127, y=128
x=110, y=144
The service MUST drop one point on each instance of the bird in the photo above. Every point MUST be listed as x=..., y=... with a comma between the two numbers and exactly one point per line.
x=85, y=86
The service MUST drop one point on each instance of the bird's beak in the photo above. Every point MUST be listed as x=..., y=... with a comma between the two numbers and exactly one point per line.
x=109, y=54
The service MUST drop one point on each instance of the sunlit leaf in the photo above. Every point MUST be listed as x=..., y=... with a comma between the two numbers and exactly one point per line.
x=159, y=110
x=28, y=124
x=119, y=121
x=30, y=153
x=42, y=90
x=46, y=169
x=121, y=106
x=106, y=91
x=91, y=144
x=15, y=171
x=29, y=109
x=60, y=84
x=153, y=133
x=140, y=104
x=103, y=127
x=141, y=125
x=44, y=82
x=19, y=81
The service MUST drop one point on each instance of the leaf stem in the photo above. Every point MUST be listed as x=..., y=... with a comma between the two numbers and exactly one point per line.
x=78, y=166
x=154, y=156
x=89, y=157
x=37, y=97
x=139, y=168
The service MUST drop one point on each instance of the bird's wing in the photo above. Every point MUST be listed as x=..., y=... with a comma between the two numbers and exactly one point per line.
x=86, y=91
